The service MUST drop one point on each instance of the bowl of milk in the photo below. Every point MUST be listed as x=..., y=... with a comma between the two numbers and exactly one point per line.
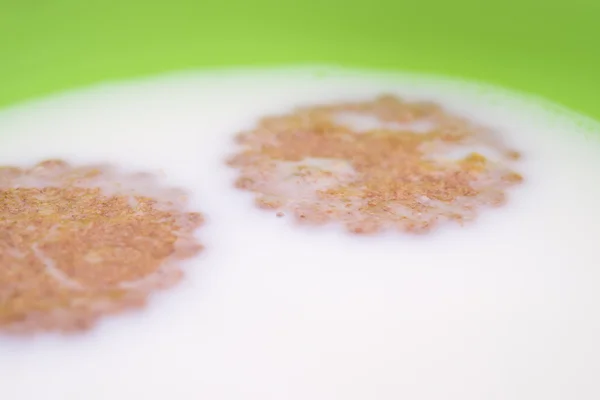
x=316, y=201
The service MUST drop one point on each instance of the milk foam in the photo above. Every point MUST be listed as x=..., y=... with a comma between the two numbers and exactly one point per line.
x=505, y=308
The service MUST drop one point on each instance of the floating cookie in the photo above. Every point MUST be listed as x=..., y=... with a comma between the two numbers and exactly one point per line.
x=80, y=243
x=376, y=165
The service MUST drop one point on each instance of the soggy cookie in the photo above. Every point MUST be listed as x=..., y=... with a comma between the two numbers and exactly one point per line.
x=376, y=165
x=80, y=243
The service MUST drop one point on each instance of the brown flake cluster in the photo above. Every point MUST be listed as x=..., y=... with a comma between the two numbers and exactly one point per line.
x=375, y=165
x=79, y=243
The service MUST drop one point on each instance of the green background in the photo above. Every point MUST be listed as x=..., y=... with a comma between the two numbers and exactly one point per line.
x=549, y=48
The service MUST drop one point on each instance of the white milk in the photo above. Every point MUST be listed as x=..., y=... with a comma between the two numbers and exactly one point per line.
x=505, y=309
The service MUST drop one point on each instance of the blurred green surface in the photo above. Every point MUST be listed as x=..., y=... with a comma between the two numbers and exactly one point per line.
x=548, y=48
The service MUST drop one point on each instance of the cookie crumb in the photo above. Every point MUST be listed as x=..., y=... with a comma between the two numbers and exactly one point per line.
x=80, y=243
x=409, y=166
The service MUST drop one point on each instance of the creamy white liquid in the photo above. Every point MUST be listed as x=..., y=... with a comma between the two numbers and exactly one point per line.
x=504, y=309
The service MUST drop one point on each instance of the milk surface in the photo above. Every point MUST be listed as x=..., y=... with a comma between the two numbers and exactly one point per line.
x=505, y=308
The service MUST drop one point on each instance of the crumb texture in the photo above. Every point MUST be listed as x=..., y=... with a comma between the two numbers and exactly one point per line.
x=376, y=165
x=80, y=243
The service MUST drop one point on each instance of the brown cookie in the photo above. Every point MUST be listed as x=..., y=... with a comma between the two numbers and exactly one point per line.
x=79, y=243
x=375, y=165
